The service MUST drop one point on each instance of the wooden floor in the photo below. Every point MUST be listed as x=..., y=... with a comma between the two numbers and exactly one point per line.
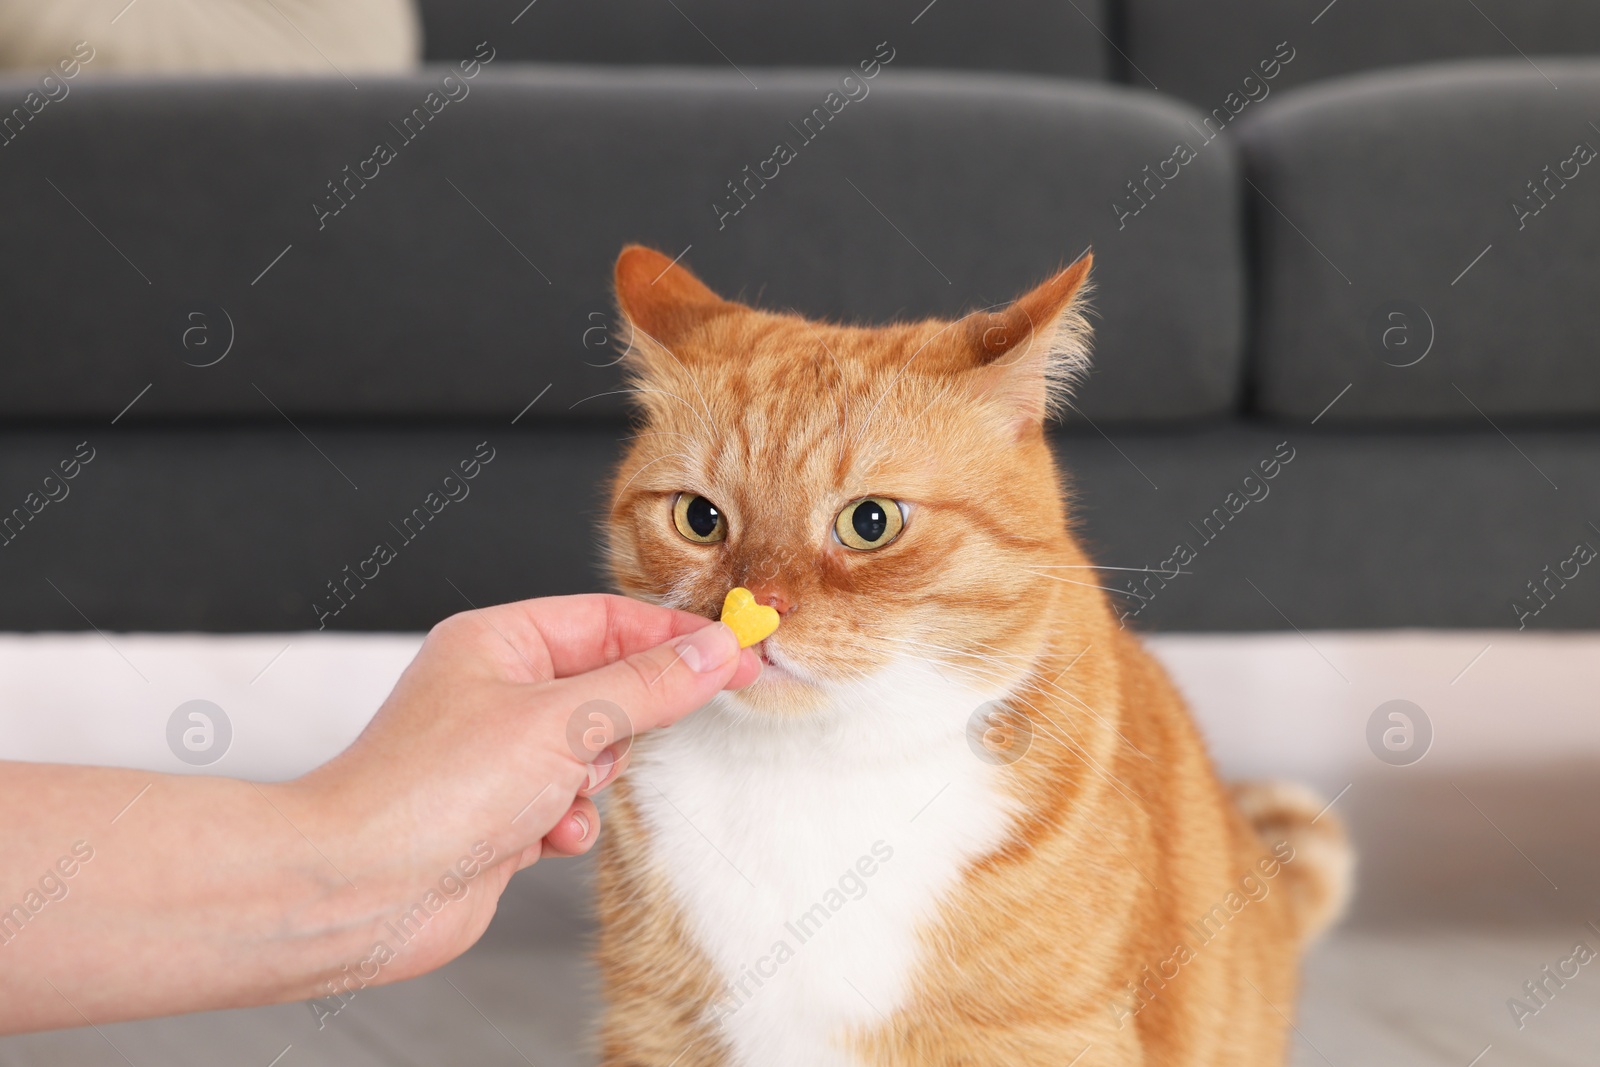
x=1437, y=1000
x=1458, y=907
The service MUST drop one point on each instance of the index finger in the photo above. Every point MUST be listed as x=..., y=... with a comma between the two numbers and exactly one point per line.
x=586, y=631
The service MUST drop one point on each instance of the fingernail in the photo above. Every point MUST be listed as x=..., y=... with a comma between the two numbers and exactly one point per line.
x=600, y=769
x=709, y=648
x=583, y=825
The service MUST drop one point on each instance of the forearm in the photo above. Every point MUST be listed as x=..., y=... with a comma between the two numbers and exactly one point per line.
x=126, y=894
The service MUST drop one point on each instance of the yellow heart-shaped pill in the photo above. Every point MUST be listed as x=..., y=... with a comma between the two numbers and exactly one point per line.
x=749, y=621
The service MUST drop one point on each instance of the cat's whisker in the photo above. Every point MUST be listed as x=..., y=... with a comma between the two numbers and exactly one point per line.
x=1003, y=652
x=653, y=462
x=1086, y=585
x=1000, y=655
x=1067, y=740
x=1055, y=685
x=680, y=594
x=974, y=667
x=1101, y=719
x=1091, y=824
x=923, y=643
x=1084, y=753
x=693, y=381
x=1043, y=684
x=912, y=647
x=597, y=396
x=936, y=657
x=996, y=653
x=999, y=652
x=907, y=642
x=642, y=391
x=1074, y=662
x=963, y=660
x=659, y=433
x=993, y=652
x=1098, y=567
x=638, y=390
x=1069, y=667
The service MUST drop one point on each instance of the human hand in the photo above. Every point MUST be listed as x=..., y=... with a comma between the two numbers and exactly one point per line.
x=468, y=772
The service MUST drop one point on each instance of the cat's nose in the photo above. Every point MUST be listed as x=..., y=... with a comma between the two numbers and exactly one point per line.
x=773, y=596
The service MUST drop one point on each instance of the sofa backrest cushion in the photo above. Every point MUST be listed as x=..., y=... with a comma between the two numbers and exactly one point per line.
x=1203, y=50
x=369, y=257
x=1426, y=240
x=1026, y=36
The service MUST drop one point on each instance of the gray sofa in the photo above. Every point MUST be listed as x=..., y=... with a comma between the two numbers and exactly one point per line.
x=277, y=339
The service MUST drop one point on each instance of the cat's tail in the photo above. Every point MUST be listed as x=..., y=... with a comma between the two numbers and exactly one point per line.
x=1320, y=871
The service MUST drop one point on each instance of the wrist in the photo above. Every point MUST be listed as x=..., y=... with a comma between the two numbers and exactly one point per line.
x=384, y=898
x=332, y=899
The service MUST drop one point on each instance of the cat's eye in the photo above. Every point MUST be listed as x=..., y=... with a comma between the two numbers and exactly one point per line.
x=868, y=523
x=699, y=519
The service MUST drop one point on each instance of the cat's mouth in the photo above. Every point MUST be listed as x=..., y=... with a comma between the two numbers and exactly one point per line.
x=777, y=667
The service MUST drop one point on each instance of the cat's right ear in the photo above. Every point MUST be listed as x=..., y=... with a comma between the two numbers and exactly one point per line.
x=662, y=298
x=1030, y=354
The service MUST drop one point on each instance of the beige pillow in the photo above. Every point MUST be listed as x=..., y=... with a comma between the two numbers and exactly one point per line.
x=312, y=37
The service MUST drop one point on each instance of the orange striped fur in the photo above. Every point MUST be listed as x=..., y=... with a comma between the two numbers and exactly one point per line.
x=1116, y=901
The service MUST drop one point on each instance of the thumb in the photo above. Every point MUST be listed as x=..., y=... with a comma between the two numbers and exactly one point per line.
x=661, y=685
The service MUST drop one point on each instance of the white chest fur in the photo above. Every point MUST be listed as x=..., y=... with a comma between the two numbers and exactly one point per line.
x=806, y=854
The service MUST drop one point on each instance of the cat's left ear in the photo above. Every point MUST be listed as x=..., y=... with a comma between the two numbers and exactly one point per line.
x=661, y=296
x=1029, y=354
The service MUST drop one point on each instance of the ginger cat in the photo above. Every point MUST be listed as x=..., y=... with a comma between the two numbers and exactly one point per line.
x=962, y=818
